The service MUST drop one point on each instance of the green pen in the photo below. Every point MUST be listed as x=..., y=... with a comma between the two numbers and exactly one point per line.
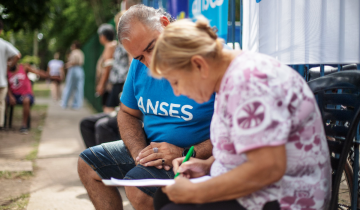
x=187, y=157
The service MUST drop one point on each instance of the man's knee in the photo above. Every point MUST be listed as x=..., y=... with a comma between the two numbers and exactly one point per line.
x=85, y=123
x=86, y=172
x=136, y=196
x=101, y=124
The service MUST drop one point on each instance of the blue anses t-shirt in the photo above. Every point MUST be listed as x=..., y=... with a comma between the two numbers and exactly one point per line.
x=177, y=120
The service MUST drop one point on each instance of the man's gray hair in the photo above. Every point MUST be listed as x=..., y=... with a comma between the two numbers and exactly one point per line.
x=148, y=16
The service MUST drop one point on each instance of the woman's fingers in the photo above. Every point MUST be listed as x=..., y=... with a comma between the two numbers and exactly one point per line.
x=176, y=163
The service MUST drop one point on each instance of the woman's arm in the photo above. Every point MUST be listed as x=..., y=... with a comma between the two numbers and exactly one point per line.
x=107, y=55
x=62, y=74
x=264, y=166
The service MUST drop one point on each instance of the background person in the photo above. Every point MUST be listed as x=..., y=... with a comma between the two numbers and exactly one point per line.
x=103, y=127
x=115, y=66
x=99, y=128
x=75, y=78
x=20, y=90
x=270, y=150
x=55, y=70
x=106, y=38
x=9, y=56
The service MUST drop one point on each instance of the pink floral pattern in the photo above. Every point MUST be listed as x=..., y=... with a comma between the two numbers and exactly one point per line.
x=262, y=102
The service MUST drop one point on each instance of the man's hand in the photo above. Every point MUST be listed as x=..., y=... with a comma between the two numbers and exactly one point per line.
x=100, y=89
x=166, y=151
x=12, y=100
x=193, y=168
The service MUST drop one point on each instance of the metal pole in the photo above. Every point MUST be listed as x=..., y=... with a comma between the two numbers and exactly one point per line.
x=354, y=195
x=322, y=70
x=232, y=5
x=241, y=22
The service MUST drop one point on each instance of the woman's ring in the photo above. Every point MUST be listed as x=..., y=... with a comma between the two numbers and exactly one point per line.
x=163, y=161
x=156, y=150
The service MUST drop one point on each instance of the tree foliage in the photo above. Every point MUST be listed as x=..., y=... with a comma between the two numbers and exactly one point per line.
x=24, y=14
x=60, y=21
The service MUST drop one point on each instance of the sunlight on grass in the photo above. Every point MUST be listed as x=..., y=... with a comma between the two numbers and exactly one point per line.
x=18, y=203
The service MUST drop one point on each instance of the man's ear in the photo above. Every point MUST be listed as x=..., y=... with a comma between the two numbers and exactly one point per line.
x=199, y=64
x=164, y=21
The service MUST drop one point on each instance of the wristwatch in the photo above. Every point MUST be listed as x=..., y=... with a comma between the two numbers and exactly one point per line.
x=186, y=150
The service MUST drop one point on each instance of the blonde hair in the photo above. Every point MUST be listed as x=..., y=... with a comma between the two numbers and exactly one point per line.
x=182, y=40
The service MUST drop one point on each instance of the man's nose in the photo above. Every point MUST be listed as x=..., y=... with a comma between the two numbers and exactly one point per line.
x=148, y=60
x=176, y=91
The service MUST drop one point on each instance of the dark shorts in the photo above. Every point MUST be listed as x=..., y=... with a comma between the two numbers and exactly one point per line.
x=162, y=202
x=19, y=98
x=113, y=160
x=113, y=99
x=104, y=98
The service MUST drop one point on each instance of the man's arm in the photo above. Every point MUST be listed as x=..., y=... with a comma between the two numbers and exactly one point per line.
x=204, y=149
x=131, y=130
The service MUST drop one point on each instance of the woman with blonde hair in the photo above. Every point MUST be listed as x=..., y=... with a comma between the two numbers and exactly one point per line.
x=269, y=145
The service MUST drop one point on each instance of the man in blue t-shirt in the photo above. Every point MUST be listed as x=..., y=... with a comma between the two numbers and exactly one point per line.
x=155, y=125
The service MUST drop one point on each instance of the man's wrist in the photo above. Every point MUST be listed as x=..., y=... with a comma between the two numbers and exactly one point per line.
x=186, y=150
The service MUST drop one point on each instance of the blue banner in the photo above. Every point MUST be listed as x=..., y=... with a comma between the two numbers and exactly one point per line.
x=177, y=8
x=216, y=11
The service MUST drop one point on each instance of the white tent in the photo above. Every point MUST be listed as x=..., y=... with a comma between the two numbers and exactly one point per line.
x=303, y=31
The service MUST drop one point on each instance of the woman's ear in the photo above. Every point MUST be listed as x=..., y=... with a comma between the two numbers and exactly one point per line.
x=200, y=65
x=164, y=21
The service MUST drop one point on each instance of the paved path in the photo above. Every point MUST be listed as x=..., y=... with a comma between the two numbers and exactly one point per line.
x=57, y=185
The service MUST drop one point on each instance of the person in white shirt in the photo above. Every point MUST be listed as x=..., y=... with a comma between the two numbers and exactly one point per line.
x=55, y=71
x=9, y=56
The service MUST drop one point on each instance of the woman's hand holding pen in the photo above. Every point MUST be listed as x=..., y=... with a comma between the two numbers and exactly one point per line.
x=183, y=191
x=193, y=168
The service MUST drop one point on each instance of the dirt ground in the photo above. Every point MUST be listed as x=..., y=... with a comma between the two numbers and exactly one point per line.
x=15, y=186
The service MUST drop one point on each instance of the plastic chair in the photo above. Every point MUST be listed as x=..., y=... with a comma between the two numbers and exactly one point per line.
x=338, y=97
x=9, y=112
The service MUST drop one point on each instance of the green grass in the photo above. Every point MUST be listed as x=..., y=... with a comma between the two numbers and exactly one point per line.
x=37, y=135
x=37, y=107
x=14, y=175
x=36, y=132
x=18, y=203
x=42, y=93
x=41, y=89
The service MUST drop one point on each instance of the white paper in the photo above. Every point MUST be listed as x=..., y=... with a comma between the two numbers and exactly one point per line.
x=148, y=182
